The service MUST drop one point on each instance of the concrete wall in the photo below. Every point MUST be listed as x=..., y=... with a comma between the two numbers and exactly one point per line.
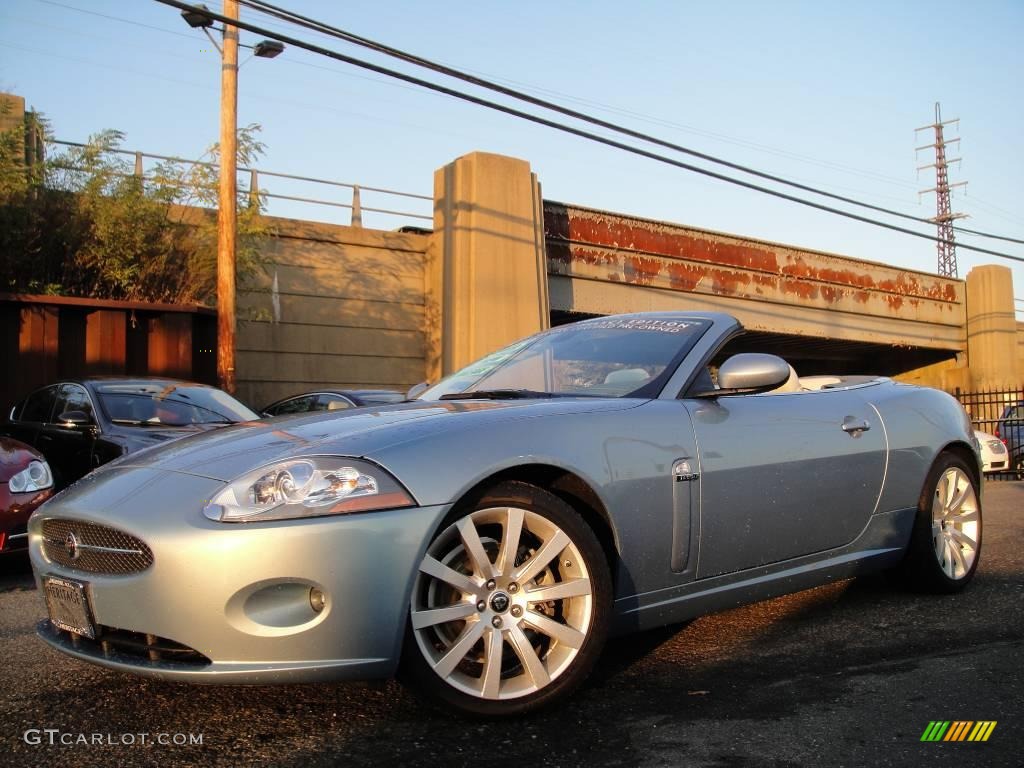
x=361, y=308
x=350, y=312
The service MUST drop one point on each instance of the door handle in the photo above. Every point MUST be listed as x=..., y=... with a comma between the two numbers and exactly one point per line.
x=854, y=427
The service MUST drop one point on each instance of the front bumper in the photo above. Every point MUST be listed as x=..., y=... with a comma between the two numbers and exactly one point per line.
x=237, y=594
x=15, y=509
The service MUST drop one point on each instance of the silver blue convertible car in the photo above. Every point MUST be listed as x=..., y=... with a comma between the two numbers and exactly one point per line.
x=483, y=540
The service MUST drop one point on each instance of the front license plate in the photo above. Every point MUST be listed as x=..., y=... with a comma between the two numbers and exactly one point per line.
x=68, y=606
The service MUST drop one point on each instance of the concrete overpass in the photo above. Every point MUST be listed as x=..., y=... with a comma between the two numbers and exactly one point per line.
x=503, y=263
x=819, y=310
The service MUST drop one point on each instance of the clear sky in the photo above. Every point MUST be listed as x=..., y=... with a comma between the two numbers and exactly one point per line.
x=826, y=93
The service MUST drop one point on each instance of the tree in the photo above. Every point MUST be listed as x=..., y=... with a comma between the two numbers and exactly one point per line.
x=34, y=226
x=83, y=224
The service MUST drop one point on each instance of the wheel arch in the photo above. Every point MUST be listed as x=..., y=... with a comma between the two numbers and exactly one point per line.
x=962, y=451
x=570, y=488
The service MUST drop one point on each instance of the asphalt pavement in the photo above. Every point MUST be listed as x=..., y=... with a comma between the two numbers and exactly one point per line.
x=850, y=674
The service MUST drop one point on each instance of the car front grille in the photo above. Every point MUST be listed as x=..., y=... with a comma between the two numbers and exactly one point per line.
x=94, y=548
x=136, y=648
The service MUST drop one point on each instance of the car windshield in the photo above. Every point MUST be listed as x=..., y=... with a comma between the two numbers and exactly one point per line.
x=382, y=398
x=604, y=357
x=157, y=404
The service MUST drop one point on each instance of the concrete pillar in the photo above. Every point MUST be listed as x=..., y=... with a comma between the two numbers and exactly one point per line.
x=486, y=276
x=991, y=328
x=12, y=113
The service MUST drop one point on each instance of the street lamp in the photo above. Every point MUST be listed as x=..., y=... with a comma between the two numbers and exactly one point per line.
x=198, y=17
x=267, y=49
x=195, y=17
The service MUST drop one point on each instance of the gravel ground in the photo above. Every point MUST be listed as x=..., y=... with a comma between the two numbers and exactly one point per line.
x=849, y=675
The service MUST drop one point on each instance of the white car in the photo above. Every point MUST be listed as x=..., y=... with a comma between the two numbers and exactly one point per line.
x=993, y=452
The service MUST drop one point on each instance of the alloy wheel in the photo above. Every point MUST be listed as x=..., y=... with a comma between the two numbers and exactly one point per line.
x=956, y=523
x=502, y=604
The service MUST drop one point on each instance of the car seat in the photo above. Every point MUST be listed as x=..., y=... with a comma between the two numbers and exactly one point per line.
x=792, y=384
x=627, y=376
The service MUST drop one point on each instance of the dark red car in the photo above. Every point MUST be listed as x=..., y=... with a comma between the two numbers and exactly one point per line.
x=25, y=483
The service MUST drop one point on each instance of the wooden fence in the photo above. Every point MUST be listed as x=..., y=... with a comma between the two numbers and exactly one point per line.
x=47, y=338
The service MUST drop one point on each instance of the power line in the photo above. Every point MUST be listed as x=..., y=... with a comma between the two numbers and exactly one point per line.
x=327, y=29
x=322, y=28
x=986, y=234
x=560, y=126
x=116, y=18
x=642, y=117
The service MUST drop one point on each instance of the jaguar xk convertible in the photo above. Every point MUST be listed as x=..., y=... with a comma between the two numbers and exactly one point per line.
x=483, y=540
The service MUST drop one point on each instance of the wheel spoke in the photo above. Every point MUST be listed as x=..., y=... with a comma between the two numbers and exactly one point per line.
x=429, y=618
x=551, y=549
x=434, y=567
x=940, y=491
x=482, y=564
x=510, y=540
x=553, y=629
x=967, y=517
x=491, y=678
x=531, y=661
x=559, y=591
x=470, y=634
x=960, y=537
x=958, y=500
x=951, y=478
x=958, y=558
x=947, y=558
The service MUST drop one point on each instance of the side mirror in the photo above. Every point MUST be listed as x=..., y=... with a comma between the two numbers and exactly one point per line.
x=74, y=419
x=749, y=373
x=416, y=390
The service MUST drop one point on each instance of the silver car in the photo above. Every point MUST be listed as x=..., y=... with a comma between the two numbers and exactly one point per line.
x=484, y=540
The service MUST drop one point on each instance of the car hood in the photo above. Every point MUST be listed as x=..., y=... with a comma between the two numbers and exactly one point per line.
x=135, y=438
x=14, y=457
x=226, y=453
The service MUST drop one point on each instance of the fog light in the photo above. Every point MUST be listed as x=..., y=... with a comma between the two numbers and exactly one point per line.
x=317, y=599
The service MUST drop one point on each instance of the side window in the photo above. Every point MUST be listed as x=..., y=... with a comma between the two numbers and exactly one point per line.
x=39, y=405
x=295, y=405
x=333, y=403
x=73, y=398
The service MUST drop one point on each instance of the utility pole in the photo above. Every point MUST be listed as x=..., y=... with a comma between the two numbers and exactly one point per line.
x=944, y=216
x=227, y=213
x=198, y=17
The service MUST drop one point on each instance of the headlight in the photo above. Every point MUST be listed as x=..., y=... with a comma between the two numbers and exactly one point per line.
x=308, y=487
x=35, y=477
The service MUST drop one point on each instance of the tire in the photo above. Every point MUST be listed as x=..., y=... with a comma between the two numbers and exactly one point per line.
x=475, y=641
x=945, y=545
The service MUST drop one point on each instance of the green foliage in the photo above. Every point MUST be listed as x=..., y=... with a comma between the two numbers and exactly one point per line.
x=81, y=223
